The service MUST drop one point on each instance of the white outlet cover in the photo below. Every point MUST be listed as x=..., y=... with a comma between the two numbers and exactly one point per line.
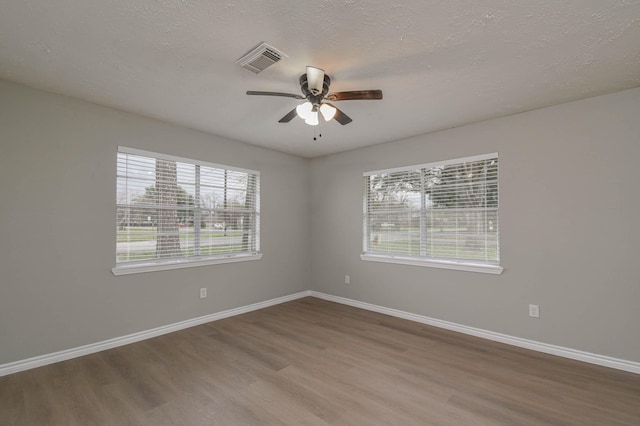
x=534, y=311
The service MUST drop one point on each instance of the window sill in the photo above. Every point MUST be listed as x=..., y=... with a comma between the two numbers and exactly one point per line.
x=179, y=264
x=443, y=264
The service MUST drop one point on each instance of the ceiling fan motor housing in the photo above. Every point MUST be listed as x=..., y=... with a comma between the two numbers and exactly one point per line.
x=315, y=99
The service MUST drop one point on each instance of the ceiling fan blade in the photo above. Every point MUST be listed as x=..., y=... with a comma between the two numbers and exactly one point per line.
x=355, y=95
x=286, y=95
x=315, y=79
x=341, y=117
x=287, y=118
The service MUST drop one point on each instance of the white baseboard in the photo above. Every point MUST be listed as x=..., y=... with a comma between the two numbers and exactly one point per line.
x=39, y=361
x=606, y=361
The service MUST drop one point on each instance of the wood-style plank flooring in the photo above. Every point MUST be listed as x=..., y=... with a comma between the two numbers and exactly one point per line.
x=313, y=362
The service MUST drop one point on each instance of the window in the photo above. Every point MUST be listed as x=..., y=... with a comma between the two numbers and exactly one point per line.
x=173, y=212
x=441, y=214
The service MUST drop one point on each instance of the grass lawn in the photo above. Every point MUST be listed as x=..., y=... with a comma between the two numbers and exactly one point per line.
x=204, y=251
x=446, y=249
x=137, y=234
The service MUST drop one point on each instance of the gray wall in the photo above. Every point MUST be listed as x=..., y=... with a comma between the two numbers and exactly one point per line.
x=57, y=227
x=569, y=227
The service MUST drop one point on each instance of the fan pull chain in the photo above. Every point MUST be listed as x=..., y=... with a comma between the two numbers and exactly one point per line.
x=314, y=132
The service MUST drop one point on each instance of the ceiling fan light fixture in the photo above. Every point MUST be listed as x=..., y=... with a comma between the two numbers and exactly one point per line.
x=312, y=119
x=315, y=79
x=304, y=110
x=327, y=111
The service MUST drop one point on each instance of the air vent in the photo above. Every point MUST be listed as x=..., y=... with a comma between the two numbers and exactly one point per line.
x=260, y=58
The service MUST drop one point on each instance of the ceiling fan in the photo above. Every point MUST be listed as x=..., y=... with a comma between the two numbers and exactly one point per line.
x=314, y=85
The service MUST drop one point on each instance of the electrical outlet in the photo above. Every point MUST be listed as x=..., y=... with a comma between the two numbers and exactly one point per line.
x=203, y=293
x=534, y=311
x=347, y=279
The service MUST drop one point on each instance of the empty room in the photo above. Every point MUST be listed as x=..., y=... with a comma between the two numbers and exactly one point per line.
x=319, y=213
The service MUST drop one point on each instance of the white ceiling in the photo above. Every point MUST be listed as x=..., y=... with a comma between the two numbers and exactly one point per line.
x=440, y=64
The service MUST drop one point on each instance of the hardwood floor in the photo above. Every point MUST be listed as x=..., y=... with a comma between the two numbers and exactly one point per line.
x=313, y=362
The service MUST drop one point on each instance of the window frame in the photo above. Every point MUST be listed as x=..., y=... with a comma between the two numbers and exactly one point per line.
x=420, y=260
x=157, y=264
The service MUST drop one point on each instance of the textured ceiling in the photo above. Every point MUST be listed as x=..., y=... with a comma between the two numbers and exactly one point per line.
x=440, y=64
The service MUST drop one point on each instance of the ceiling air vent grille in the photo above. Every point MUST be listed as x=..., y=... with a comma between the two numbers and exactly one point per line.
x=260, y=58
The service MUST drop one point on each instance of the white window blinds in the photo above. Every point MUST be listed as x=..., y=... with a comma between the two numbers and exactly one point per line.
x=446, y=211
x=176, y=210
